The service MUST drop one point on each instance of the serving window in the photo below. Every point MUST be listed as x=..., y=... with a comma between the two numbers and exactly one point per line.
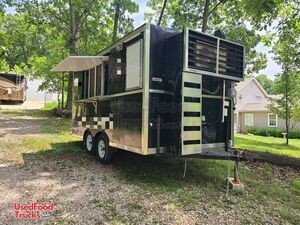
x=120, y=73
x=134, y=56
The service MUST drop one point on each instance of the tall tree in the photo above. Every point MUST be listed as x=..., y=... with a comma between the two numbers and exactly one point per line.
x=162, y=12
x=266, y=83
x=209, y=15
x=286, y=105
x=286, y=45
x=121, y=8
x=85, y=26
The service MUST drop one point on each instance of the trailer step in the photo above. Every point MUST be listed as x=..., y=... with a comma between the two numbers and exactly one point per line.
x=191, y=114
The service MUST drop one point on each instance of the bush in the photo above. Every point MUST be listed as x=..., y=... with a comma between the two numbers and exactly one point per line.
x=273, y=132
x=252, y=131
x=50, y=106
x=53, y=108
x=262, y=132
x=62, y=113
x=294, y=134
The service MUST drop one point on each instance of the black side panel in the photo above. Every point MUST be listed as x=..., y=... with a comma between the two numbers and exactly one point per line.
x=116, y=71
x=174, y=62
x=214, y=86
x=165, y=75
x=157, y=55
x=120, y=117
x=163, y=105
x=212, y=127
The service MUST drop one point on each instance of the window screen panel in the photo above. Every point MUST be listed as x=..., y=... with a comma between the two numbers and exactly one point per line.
x=92, y=82
x=134, y=66
x=98, y=80
x=86, y=81
x=78, y=90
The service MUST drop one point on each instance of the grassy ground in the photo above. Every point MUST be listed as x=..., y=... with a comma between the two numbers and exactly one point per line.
x=268, y=144
x=150, y=190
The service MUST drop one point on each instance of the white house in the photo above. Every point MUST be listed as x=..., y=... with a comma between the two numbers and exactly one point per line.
x=252, y=108
x=34, y=95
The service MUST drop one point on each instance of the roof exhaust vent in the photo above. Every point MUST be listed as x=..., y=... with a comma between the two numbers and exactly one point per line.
x=219, y=33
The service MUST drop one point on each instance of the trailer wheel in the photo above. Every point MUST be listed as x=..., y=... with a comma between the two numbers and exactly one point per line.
x=88, y=142
x=103, y=152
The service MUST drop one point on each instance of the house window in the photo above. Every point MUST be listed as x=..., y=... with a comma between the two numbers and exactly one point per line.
x=272, y=120
x=249, y=120
x=258, y=98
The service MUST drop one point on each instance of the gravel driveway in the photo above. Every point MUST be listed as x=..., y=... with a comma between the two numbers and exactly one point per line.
x=25, y=105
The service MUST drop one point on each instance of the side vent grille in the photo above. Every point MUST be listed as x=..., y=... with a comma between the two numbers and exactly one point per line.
x=202, y=52
x=231, y=59
x=214, y=55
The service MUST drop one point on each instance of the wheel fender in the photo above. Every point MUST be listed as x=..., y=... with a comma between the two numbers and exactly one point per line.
x=102, y=133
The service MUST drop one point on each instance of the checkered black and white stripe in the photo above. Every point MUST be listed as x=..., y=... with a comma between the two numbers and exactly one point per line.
x=104, y=122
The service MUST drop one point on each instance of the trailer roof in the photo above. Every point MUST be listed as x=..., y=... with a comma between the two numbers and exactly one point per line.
x=78, y=63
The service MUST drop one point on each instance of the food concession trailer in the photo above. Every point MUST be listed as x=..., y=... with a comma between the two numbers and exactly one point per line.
x=157, y=91
x=12, y=87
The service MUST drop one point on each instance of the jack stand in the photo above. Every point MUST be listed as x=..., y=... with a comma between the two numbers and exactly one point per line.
x=234, y=183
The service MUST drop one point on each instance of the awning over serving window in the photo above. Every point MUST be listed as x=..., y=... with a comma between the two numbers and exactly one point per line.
x=78, y=63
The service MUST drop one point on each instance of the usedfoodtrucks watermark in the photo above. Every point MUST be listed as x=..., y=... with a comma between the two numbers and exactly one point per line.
x=33, y=210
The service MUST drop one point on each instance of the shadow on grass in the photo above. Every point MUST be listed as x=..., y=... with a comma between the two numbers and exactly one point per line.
x=149, y=172
x=41, y=122
x=167, y=173
x=27, y=112
x=70, y=147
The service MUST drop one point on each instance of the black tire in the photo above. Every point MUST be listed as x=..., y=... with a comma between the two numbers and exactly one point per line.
x=88, y=142
x=103, y=152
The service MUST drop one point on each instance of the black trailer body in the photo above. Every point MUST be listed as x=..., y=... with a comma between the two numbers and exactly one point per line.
x=158, y=91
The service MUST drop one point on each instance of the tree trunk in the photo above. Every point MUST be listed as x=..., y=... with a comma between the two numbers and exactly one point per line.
x=58, y=100
x=162, y=12
x=205, y=16
x=62, y=91
x=287, y=114
x=74, y=46
x=116, y=22
x=70, y=92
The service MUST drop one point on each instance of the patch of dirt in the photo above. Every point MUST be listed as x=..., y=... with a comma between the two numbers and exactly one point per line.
x=279, y=160
x=25, y=105
x=13, y=131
